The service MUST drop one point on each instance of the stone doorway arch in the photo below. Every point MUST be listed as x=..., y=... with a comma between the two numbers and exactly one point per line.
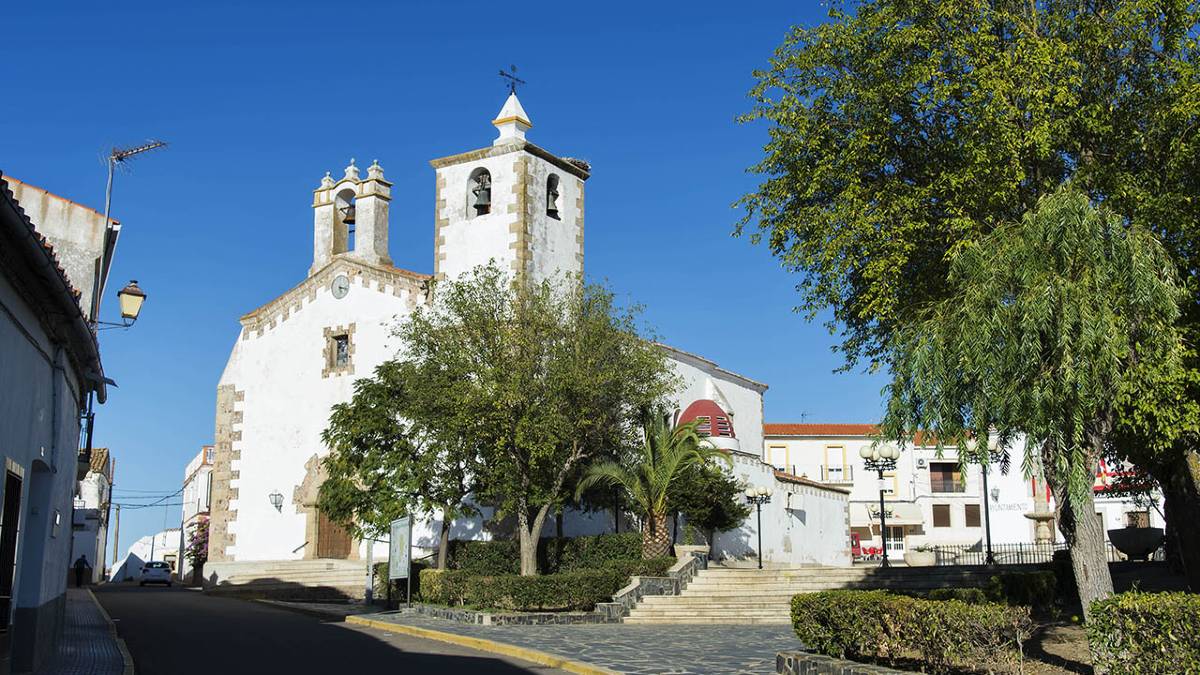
x=323, y=537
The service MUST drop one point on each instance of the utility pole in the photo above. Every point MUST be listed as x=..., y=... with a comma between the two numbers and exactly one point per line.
x=116, y=537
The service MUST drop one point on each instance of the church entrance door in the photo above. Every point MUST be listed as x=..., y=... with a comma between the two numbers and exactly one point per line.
x=333, y=541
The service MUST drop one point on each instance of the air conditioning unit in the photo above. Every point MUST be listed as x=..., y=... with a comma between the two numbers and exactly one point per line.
x=921, y=463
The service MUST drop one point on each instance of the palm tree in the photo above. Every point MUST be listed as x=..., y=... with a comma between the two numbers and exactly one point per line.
x=665, y=453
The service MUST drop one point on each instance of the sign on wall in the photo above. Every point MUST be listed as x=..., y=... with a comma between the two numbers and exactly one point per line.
x=400, y=548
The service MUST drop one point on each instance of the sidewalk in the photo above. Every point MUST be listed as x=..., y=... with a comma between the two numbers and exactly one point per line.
x=89, y=645
x=624, y=648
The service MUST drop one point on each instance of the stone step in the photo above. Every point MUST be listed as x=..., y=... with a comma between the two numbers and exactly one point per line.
x=726, y=620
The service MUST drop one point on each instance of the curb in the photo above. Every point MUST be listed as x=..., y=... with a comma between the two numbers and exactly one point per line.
x=333, y=617
x=112, y=627
x=532, y=655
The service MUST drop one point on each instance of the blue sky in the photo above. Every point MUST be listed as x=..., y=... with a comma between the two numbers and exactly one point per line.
x=259, y=100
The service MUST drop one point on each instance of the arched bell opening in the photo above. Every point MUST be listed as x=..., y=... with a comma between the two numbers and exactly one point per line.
x=479, y=193
x=343, y=226
x=552, y=196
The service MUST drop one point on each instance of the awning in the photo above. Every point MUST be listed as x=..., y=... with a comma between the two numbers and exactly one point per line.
x=898, y=513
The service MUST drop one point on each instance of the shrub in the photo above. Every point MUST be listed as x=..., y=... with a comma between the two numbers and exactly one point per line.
x=597, y=551
x=971, y=596
x=941, y=634
x=579, y=590
x=1038, y=590
x=1140, y=633
x=501, y=556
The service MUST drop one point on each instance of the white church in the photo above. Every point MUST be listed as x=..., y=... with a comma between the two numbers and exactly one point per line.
x=298, y=355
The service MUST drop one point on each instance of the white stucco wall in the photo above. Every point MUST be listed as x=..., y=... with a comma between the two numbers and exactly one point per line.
x=470, y=240
x=287, y=402
x=39, y=436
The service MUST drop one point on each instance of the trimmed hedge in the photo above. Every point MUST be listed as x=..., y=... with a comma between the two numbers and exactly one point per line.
x=503, y=556
x=1147, y=633
x=941, y=635
x=577, y=590
x=1037, y=590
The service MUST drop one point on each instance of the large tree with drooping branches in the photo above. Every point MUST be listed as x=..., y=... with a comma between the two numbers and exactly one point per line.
x=1042, y=333
x=902, y=131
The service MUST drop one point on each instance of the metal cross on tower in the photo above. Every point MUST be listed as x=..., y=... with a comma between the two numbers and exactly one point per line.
x=511, y=79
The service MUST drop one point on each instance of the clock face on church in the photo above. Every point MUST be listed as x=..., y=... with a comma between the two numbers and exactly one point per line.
x=340, y=286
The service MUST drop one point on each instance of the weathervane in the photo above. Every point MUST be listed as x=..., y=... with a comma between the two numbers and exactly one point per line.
x=512, y=79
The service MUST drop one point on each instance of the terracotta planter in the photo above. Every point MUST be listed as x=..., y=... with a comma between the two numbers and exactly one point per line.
x=920, y=558
x=1136, y=542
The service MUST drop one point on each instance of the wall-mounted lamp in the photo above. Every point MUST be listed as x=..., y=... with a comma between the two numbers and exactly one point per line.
x=995, y=494
x=277, y=501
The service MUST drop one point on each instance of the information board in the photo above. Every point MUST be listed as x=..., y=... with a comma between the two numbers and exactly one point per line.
x=400, y=549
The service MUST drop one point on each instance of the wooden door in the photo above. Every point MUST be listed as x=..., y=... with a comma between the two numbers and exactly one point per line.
x=333, y=541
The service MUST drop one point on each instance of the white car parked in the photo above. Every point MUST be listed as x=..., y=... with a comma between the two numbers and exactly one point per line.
x=156, y=572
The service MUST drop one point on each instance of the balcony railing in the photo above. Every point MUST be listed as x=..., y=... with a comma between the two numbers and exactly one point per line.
x=837, y=474
x=1016, y=554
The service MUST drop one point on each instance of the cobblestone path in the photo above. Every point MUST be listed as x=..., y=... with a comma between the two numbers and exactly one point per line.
x=87, y=646
x=637, y=649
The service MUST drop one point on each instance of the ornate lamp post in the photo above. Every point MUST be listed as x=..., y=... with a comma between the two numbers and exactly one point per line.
x=987, y=511
x=880, y=460
x=758, y=497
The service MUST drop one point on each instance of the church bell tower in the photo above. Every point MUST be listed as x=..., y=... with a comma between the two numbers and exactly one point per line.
x=350, y=218
x=512, y=202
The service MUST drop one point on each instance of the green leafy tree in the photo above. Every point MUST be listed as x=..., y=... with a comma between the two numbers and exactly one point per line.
x=1039, y=338
x=901, y=131
x=551, y=375
x=398, y=447
x=708, y=498
x=666, y=454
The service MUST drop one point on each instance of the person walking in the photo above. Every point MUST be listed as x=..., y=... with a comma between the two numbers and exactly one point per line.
x=81, y=567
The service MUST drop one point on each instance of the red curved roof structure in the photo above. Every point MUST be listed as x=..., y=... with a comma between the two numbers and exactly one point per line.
x=713, y=420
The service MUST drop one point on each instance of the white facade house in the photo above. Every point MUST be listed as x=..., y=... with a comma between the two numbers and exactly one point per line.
x=162, y=546
x=90, y=519
x=298, y=355
x=49, y=366
x=197, y=498
x=929, y=499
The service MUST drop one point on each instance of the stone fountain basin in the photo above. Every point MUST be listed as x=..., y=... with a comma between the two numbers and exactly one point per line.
x=1136, y=542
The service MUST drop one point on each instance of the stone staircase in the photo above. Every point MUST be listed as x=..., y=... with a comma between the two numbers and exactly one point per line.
x=287, y=579
x=721, y=595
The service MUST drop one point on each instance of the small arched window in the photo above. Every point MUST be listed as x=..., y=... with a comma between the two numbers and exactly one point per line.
x=479, y=193
x=552, y=196
x=343, y=227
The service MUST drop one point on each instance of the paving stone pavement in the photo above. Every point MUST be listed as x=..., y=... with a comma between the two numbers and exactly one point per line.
x=87, y=646
x=637, y=649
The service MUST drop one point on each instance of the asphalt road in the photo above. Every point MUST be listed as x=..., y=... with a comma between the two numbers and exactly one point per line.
x=172, y=631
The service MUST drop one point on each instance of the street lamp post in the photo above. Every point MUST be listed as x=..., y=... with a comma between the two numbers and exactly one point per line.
x=987, y=511
x=758, y=497
x=880, y=460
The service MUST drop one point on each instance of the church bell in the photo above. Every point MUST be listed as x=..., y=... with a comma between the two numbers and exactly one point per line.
x=483, y=195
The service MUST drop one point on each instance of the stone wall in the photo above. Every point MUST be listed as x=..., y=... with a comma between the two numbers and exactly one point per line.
x=226, y=433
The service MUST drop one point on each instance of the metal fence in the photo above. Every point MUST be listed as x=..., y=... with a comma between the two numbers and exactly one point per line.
x=1016, y=554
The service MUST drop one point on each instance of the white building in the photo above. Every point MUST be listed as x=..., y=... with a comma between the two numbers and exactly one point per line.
x=49, y=365
x=197, y=498
x=90, y=521
x=162, y=546
x=298, y=355
x=928, y=498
